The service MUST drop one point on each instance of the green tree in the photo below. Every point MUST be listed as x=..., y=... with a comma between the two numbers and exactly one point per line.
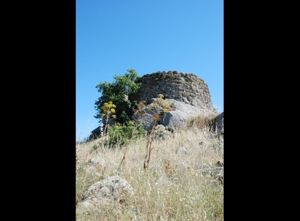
x=120, y=92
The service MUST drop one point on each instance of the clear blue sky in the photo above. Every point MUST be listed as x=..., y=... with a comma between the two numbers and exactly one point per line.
x=147, y=35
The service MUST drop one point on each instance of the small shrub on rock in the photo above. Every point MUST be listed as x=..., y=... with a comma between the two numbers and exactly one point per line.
x=121, y=134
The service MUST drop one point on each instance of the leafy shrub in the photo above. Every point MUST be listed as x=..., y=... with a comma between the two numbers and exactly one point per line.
x=121, y=134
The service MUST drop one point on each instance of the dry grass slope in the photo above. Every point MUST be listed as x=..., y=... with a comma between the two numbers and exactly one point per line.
x=174, y=187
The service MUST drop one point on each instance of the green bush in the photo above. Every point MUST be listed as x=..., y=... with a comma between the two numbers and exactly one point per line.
x=120, y=92
x=121, y=134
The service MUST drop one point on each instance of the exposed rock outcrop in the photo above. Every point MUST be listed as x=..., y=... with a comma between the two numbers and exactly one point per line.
x=176, y=118
x=179, y=117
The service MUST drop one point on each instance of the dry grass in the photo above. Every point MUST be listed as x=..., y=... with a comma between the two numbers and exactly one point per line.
x=172, y=188
x=201, y=121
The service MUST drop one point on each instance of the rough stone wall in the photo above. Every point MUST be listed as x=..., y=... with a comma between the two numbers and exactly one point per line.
x=184, y=87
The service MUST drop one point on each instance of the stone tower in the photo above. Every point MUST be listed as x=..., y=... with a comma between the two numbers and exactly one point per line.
x=187, y=88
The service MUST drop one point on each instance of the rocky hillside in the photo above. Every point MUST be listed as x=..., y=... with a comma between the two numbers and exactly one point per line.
x=184, y=180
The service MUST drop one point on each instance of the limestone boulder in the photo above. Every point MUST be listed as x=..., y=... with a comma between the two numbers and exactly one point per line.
x=110, y=190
